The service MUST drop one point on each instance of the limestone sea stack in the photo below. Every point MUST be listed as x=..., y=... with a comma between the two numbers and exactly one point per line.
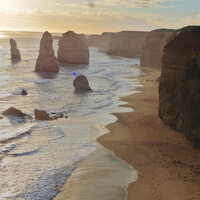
x=72, y=49
x=15, y=54
x=179, y=90
x=81, y=83
x=152, y=50
x=46, y=61
x=127, y=43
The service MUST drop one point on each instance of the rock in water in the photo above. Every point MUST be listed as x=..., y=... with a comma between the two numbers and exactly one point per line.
x=41, y=115
x=81, y=83
x=46, y=61
x=72, y=49
x=15, y=54
x=14, y=112
x=179, y=89
x=24, y=92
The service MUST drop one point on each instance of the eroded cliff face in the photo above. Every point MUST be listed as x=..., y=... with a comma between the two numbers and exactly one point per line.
x=104, y=43
x=179, y=90
x=93, y=40
x=152, y=50
x=72, y=49
x=127, y=43
x=46, y=61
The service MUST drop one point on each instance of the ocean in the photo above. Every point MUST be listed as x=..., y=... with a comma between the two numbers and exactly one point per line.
x=37, y=157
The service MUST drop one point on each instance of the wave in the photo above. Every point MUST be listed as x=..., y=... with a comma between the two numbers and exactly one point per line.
x=15, y=133
x=24, y=153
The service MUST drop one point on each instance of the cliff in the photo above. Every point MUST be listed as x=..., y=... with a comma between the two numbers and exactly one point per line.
x=179, y=89
x=72, y=49
x=93, y=40
x=104, y=43
x=127, y=43
x=152, y=50
x=46, y=61
x=15, y=54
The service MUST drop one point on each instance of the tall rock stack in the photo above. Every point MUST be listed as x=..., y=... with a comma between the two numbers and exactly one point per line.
x=152, y=50
x=15, y=54
x=179, y=90
x=46, y=61
x=72, y=49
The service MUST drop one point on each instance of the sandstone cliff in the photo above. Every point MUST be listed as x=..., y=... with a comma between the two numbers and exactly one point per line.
x=104, y=43
x=93, y=40
x=72, y=49
x=46, y=61
x=127, y=43
x=15, y=54
x=179, y=101
x=152, y=50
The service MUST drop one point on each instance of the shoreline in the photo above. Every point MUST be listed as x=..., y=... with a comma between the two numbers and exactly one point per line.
x=168, y=165
x=97, y=176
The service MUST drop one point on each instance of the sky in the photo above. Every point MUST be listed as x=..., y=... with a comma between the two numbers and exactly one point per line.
x=90, y=16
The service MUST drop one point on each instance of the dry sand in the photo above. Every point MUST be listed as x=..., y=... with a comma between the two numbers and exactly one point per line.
x=168, y=165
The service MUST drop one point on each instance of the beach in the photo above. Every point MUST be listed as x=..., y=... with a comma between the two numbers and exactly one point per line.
x=168, y=164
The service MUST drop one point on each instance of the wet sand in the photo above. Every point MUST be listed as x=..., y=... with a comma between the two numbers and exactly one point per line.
x=101, y=175
x=168, y=165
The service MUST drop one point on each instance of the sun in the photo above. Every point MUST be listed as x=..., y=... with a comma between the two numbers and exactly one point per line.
x=2, y=36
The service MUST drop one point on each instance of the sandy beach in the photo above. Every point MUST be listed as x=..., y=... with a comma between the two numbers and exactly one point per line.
x=168, y=164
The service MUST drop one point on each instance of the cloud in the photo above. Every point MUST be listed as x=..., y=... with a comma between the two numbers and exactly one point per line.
x=139, y=3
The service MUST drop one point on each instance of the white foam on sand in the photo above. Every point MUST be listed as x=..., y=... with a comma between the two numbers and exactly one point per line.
x=101, y=175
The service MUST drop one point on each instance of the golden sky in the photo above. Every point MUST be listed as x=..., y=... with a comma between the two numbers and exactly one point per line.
x=97, y=16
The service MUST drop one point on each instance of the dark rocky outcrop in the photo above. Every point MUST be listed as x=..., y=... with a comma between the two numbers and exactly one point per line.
x=14, y=112
x=24, y=92
x=152, y=50
x=72, y=49
x=20, y=91
x=15, y=54
x=127, y=43
x=81, y=83
x=179, y=90
x=43, y=115
x=93, y=40
x=46, y=61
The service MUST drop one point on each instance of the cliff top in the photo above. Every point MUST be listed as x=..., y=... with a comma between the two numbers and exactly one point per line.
x=187, y=39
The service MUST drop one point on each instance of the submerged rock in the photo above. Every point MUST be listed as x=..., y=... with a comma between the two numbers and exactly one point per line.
x=46, y=61
x=72, y=49
x=179, y=100
x=152, y=50
x=81, y=83
x=15, y=54
x=14, y=112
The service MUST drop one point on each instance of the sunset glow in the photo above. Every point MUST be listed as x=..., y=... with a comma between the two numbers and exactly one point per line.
x=95, y=17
